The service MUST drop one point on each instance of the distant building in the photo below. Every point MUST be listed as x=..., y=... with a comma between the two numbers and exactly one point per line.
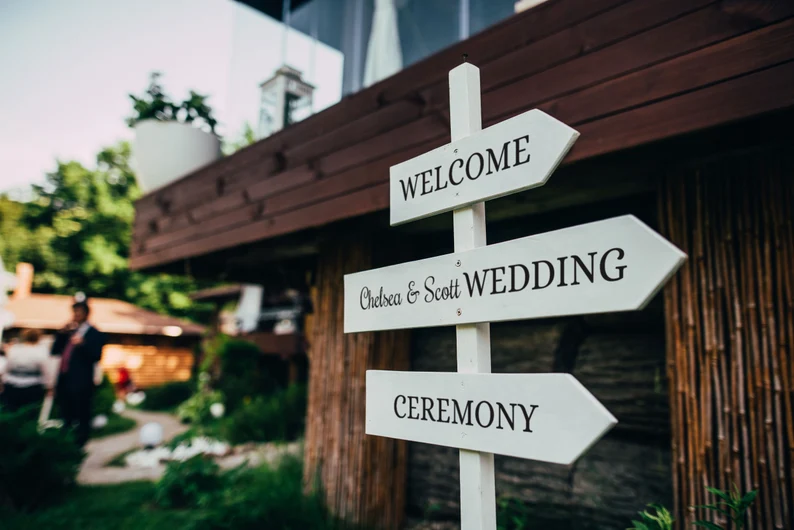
x=155, y=348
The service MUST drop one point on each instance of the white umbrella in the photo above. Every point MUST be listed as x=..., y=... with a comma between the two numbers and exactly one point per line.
x=384, y=57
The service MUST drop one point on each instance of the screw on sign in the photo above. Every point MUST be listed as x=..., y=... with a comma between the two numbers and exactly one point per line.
x=611, y=265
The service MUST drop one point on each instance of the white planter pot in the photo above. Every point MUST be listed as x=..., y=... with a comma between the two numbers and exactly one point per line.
x=167, y=150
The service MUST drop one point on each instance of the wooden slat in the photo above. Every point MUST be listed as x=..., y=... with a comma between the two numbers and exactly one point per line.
x=584, y=38
x=325, y=189
x=364, y=201
x=426, y=129
x=248, y=210
x=201, y=191
x=525, y=28
x=732, y=100
x=746, y=53
x=702, y=28
x=380, y=121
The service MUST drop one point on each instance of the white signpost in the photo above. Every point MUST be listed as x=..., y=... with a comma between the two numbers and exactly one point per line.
x=612, y=265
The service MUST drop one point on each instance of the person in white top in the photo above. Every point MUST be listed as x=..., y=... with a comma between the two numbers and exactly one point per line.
x=26, y=377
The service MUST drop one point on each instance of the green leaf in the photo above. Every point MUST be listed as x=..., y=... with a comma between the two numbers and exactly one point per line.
x=715, y=508
x=707, y=524
x=719, y=493
x=748, y=499
x=638, y=526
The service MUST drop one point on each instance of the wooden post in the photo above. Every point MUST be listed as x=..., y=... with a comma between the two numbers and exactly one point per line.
x=477, y=487
x=362, y=478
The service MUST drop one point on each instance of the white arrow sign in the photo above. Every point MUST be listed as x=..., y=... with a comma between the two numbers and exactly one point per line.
x=612, y=265
x=546, y=417
x=511, y=156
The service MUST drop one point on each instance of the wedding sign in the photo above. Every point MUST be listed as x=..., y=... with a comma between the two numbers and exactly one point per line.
x=612, y=265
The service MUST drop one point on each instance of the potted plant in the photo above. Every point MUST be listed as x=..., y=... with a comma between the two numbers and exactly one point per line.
x=171, y=140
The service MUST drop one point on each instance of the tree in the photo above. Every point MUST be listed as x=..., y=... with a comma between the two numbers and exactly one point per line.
x=76, y=231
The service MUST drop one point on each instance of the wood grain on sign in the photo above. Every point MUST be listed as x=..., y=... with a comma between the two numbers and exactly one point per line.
x=613, y=265
x=511, y=156
x=546, y=417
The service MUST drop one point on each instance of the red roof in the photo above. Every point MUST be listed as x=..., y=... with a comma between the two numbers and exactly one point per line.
x=51, y=311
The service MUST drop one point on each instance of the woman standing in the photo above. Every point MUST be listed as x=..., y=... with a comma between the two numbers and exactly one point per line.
x=26, y=373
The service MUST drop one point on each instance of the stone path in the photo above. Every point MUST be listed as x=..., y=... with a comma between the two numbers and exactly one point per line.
x=101, y=451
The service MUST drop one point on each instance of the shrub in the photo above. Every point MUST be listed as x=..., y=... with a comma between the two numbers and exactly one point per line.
x=279, y=417
x=167, y=396
x=196, y=409
x=104, y=397
x=267, y=497
x=189, y=484
x=243, y=374
x=35, y=468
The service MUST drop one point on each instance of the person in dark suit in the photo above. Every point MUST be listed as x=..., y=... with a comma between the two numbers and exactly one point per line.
x=79, y=344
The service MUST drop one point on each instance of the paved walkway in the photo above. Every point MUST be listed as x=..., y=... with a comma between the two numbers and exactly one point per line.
x=101, y=451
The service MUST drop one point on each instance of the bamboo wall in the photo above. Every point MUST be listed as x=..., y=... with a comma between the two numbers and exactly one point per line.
x=730, y=326
x=362, y=477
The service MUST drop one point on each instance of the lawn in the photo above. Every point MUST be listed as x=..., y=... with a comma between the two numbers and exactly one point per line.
x=119, y=507
x=116, y=425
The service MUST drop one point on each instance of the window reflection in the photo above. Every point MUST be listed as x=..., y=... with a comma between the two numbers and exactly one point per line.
x=339, y=47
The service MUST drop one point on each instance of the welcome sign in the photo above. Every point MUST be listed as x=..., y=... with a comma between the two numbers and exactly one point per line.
x=514, y=155
x=612, y=265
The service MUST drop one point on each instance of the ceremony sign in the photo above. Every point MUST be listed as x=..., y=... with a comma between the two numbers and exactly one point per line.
x=546, y=417
x=511, y=156
x=612, y=265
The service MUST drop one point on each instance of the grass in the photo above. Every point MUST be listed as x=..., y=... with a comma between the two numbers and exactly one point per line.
x=120, y=507
x=116, y=425
x=239, y=499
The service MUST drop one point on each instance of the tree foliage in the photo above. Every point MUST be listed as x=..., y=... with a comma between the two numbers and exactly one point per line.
x=76, y=230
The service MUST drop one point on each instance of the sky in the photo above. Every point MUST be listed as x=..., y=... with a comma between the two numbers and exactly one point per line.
x=67, y=67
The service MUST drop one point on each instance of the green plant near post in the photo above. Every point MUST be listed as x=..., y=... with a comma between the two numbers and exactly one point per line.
x=511, y=514
x=732, y=505
x=661, y=519
x=156, y=105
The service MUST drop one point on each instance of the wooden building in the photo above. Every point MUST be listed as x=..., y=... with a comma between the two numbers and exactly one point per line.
x=156, y=349
x=684, y=109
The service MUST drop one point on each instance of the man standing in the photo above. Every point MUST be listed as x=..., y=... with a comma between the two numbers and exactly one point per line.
x=79, y=345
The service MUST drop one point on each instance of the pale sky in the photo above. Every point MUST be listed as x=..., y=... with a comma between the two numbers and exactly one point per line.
x=66, y=67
